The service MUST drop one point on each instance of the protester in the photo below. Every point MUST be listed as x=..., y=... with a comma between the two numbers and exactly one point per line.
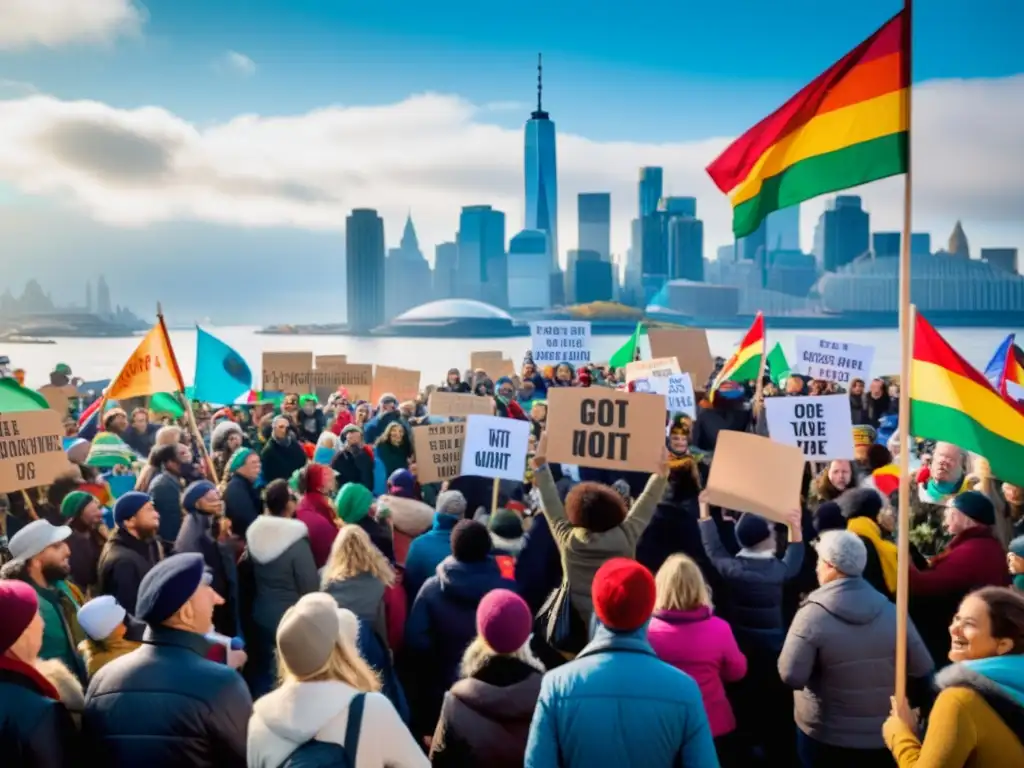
x=863, y=510
x=203, y=706
x=506, y=529
x=282, y=454
x=226, y=438
x=326, y=448
x=241, y=498
x=355, y=506
x=410, y=516
x=944, y=477
x=82, y=514
x=316, y=483
x=141, y=435
x=580, y=720
x=427, y=551
x=673, y=527
x=169, y=435
x=392, y=451
x=104, y=623
x=830, y=484
x=132, y=551
x=354, y=461
x=165, y=490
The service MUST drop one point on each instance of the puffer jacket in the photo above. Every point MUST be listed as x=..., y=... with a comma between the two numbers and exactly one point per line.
x=195, y=536
x=36, y=729
x=409, y=518
x=426, y=552
x=242, y=504
x=165, y=705
x=840, y=657
x=97, y=654
x=282, y=568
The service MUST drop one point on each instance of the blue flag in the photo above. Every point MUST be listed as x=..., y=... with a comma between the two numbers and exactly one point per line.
x=222, y=376
x=997, y=365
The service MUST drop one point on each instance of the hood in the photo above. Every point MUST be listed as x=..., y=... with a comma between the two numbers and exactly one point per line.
x=502, y=703
x=702, y=613
x=268, y=537
x=469, y=582
x=361, y=594
x=443, y=522
x=999, y=680
x=296, y=712
x=409, y=516
x=508, y=546
x=220, y=433
x=67, y=685
x=851, y=600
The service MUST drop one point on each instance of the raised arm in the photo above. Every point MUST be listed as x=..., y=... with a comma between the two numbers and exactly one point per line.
x=643, y=508
x=550, y=501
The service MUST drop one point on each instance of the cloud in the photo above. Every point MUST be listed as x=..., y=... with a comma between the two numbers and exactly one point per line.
x=10, y=88
x=54, y=23
x=235, y=63
x=434, y=153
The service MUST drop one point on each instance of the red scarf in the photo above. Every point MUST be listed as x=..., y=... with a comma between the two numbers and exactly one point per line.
x=44, y=686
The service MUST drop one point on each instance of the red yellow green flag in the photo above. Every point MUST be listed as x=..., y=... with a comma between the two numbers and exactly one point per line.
x=152, y=368
x=952, y=402
x=745, y=364
x=851, y=125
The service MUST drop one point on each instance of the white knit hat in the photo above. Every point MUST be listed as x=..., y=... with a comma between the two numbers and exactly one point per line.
x=99, y=617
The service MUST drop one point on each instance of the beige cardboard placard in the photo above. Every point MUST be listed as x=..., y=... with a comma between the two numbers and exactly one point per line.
x=687, y=345
x=751, y=473
x=503, y=367
x=287, y=372
x=400, y=382
x=357, y=378
x=606, y=428
x=327, y=362
x=457, y=404
x=31, y=449
x=645, y=369
x=438, y=450
x=58, y=397
x=481, y=359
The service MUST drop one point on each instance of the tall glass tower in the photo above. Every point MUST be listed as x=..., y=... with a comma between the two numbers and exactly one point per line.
x=542, y=174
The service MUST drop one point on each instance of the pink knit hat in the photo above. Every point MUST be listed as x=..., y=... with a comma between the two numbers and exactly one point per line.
x=504, y=621
x=18, y=606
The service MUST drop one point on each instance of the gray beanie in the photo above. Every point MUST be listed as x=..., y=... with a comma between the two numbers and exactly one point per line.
x=451, y=503
x=844, y=551
x=308, y=633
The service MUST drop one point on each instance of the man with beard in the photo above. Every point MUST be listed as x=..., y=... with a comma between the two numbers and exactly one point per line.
x=82, y=514
x=132, y=551
x=282, y=454
x=42, y=560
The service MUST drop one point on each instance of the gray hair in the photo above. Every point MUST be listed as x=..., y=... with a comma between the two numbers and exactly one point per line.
x=451, y=503
x=844, y=551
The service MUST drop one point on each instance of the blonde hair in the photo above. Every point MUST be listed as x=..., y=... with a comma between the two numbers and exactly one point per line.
x=169, y=435
x=344, y=665
x=352, y=554
x=479, y=652
x=681, y=585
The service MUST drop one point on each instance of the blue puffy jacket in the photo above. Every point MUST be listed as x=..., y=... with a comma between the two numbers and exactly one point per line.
x=426, y=552
x=618, y=704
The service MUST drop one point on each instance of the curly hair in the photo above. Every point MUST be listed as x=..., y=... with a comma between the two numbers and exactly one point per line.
x=595, y=507
x=353, y=554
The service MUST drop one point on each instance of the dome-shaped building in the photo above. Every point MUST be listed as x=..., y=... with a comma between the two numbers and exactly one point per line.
x=463, y=318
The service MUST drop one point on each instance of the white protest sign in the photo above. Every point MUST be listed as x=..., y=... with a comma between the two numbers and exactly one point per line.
x=495, y=447
x=560, y=342
x=677, y=390
x=833, y=360
x=819, y=426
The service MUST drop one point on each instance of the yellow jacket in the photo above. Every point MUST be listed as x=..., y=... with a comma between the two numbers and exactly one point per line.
x=99, y=654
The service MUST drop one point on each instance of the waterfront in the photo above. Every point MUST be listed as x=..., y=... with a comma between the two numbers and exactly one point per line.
x=93, y=359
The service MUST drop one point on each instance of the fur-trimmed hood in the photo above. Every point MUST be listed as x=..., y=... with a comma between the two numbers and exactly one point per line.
x=509, y=546
x=268, y=537
x=220, y=433
x=999, y=680
x=67, y=685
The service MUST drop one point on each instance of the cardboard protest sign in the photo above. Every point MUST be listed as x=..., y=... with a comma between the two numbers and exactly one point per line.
x=821, y=427
x=326, y=362
x=357, y=378
x=605, y=428
x=287, y=372
x=751, y=473
x=58, y=397
x=400, y=382
x=564, y=341
x=479, y=360
x=459, y=405
x=689, y=346
x=438, y=450
x=31, y=449
x=833, y=360
x=495, y=447
x=646, y=369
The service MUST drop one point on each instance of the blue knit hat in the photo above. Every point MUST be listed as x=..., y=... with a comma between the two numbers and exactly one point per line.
x=126, y=507
x=977, y=506
x=751, y=530
x=168, y=586
x=195, y=492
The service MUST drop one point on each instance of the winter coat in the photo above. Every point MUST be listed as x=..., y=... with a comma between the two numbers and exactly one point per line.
x=85, y=547
x=840, y=657
x=311, y=425
x=364, y=596
x=36, y=728
x=977, y=720
x=165, y=489
x=354, y=466
x=581, y=721
x=375, y=652
x=295, y=713
x=282, y=568
x=123, y=562
x=538, y=565
x=711, y=421
x=701, y=645
x=195, y=536
x=485, y=718
x=409, y=518
x=281, y=459
x=673, y=528
x=242, y=504
x=97, y=654
x=141, y=442
x=754, y=587
x=583, y=552
x=316, y=513
x=426, y=552
x=376, y=426
x=166, y=705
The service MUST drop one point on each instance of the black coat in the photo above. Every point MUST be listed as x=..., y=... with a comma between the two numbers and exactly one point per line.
x=195, y=536
x=166, y=705
x=281, y=460
x=165, y=489
x=354, y=467
x=242, y=504
x=123, y=562
x=36, y=731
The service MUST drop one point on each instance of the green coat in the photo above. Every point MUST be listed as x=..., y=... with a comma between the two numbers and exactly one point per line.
x=61, y=632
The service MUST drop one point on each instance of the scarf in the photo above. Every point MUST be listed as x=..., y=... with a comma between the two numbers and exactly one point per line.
x=868, y=529
x=935, y=492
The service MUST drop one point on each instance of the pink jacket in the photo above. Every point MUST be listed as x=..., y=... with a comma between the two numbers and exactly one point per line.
x=316, y=512
x=702, y=646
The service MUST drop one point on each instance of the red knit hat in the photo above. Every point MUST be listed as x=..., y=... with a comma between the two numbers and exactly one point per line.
x=623, y=592
x=317, y=477
x=18, y=606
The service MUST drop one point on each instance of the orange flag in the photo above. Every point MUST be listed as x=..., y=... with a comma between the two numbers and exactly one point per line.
x=152, y=368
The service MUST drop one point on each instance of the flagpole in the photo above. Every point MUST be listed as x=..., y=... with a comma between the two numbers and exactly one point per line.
x=906, y=338
x=193, y=426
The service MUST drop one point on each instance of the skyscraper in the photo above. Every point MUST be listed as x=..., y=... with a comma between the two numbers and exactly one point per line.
x=482, y=273
x=686, y=248
x=446, y=262
x=594, y=212
x=541, y=173
x=364, y=268
x=406, y=264
x=783, y=230
x=649, y=191
x=103, y=305
x=529, y=286
x=88, y=297
x=886, y=245
x=845, y=232
x=593, y=277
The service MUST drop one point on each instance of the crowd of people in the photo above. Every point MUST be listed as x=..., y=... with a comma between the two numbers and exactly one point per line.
x=278, y=588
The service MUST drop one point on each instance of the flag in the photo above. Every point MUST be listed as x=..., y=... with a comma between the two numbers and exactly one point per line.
x=851, y=125
x=14, y=397
x=952, y=402
x=778, y=367
x=152, y=368
x=745, y=364
x=1005, y=371
x=627, y=352
x=166, y=403
x=222, y=376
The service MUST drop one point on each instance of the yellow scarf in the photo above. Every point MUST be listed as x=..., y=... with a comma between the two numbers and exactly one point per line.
x=887, y=553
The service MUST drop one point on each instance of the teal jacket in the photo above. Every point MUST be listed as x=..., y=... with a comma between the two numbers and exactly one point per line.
x=61, y=634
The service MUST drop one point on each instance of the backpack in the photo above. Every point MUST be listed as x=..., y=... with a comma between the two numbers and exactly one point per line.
x=320, y=754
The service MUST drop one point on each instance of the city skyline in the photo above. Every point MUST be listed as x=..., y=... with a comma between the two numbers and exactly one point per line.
x=239, y=173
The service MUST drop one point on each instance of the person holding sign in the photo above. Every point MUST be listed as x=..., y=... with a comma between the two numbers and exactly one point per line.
x=591, y=528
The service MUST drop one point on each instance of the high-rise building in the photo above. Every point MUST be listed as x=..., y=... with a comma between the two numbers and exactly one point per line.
x=529, y=286
x=88, y=297
x=783, y=230
x=750, y=247
x=649, y=192
x=678, y=206
x=958, y=245
x=686, y=248
x=846, y=232
x=920, y=244
x=594, y=213
x=726, y=254
x=364, y=269
x=594, y=277
x=1001, y=258
x=482, y=273
x=103, y=306
x=446, y=262
x=886, y=245
x=541, y=172
x=406, y=264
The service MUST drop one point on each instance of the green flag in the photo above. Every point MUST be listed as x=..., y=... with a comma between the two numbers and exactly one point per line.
x=627, y=352
x=14, y=397
x=778, y=368
x=165, y=402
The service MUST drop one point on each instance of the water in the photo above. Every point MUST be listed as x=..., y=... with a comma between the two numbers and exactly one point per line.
x=102, y=358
